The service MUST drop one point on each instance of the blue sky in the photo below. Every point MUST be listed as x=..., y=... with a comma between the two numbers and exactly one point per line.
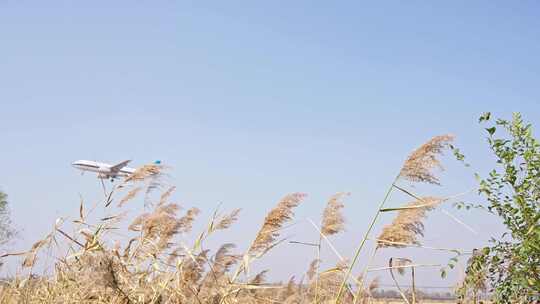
x=249, y=101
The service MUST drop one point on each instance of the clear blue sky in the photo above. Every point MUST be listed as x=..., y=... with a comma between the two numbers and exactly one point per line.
x=250, y=101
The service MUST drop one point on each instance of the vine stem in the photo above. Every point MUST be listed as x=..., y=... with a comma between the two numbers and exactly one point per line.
x=359, y=249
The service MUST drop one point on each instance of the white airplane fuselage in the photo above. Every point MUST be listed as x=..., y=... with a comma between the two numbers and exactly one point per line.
x=103, y=170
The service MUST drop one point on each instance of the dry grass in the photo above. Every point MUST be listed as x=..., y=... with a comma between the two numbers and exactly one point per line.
x=420, y=164
x=153, y=265
x=407, y=225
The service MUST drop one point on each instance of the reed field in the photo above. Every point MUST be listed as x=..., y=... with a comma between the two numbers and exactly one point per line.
x=152, y=266
x=269, y=152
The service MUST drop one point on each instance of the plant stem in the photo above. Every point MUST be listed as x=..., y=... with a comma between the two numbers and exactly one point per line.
x=357, y=253
x=390, y=267
x=317, y=271
x=413, y=287
x=361, y=286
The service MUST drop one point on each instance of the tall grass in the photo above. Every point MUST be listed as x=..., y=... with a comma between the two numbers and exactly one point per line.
x=150, y=264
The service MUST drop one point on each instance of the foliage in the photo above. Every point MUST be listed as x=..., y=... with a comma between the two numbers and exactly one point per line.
x=512, y=190
x=6, y=233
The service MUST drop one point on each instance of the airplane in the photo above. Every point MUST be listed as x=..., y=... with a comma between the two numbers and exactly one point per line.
x=103, y=170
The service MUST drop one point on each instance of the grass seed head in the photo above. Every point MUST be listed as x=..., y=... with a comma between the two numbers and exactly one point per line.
x=274, y=221
x=129, y=196
x=419, y=165
x=145, y=172
x=313, y=268
x=226, y=221
x=407, y=225
x=333, y=220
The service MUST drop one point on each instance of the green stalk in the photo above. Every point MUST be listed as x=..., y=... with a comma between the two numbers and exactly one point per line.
x=413, y=287
x=360, y=290
x=317, y=270
x=357, y=253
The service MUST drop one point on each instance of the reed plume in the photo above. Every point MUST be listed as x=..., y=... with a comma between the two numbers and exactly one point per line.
x=330, y=280
x=160, y=226
x=373, y=285
x=31, y=255
x=145, y=172
x=274, y=221
x=333, y=220
x=226, y=221
x=224, y=260
x=417, y=168
x=407, y=225
x=185, y=223
x=259, y=278
x=129, y=196
x=193, y=269
x=165, y=195
x=313, y=268
x=419, y=165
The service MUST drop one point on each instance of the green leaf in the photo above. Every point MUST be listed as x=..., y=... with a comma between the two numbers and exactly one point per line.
x=484, y=117
x=406, y=208
x=491, y=130
x=443, y=273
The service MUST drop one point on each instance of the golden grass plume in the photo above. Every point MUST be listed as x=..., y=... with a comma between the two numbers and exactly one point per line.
x=419, y=165
x=333, y=220
x=407, y=225
x=274, y=221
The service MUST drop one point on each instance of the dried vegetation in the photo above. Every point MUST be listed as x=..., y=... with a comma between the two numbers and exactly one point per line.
x=151, y=263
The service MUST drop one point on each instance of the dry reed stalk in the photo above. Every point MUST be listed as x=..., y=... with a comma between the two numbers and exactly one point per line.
x=329, y=282
x=417, y=168
x=267, y=236
x=289, y=290
x=193, y=269
x=31, y=255
x=332, y=223
x=323, y=236
x=221, y=263
x=404, y=267
x=390, y=268
x=454, y=250
x=360, y=291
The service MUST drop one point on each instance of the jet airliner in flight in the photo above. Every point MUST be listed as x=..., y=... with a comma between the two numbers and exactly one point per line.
x=103, y=170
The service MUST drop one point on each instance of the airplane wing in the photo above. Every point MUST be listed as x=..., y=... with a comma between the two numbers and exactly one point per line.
x=119, y=166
